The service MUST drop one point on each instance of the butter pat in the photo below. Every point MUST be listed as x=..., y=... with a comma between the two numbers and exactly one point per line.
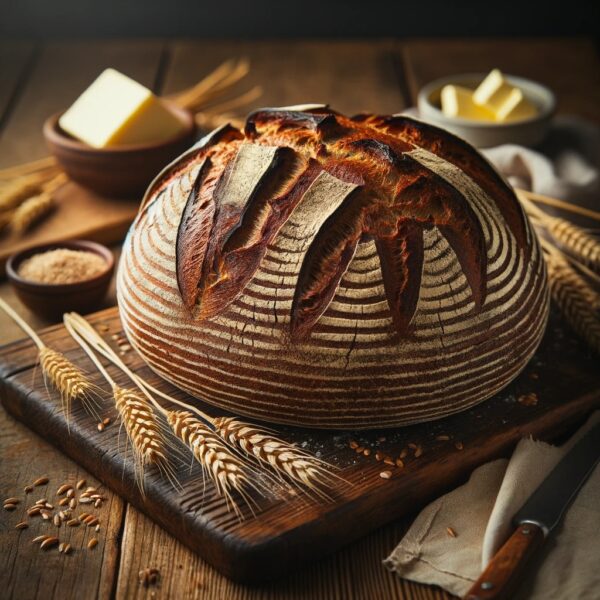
x=116, y=110
x=505, y=101
x=458, y=101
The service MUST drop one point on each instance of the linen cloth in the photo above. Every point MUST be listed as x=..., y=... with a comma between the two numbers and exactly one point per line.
x=480, y=512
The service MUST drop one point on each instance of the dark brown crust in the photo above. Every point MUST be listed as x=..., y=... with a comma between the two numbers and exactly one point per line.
x=458, y=152
x=219, y=247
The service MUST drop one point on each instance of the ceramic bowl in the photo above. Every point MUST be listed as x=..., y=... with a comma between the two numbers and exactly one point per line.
x=527, y=132
x=122, y=171
x=52, y=300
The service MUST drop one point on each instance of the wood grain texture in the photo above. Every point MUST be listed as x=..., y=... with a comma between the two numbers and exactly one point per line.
x=352, y=75
x=15, y=58
x=27, y=571
x=290, y=530
x=569, y=67
x=501, y=578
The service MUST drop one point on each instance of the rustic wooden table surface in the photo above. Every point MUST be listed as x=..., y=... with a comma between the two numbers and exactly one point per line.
x=381, y=76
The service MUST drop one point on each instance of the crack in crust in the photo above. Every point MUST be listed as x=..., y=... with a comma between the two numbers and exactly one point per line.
x=249, y=184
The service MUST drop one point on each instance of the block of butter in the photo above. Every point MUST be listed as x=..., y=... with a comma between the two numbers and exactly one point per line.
x=505, y=101
x=116, y=110
x=457, y=101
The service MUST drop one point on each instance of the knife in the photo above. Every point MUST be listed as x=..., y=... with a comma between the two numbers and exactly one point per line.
x=537, y=518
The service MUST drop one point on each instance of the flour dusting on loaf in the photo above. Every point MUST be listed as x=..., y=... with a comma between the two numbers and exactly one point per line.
x=333, y=272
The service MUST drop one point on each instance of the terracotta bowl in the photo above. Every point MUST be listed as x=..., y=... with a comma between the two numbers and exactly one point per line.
x=124, y=171
x=52, y=300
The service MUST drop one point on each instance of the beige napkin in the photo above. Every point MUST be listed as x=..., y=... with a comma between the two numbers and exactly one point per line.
x=479, y=513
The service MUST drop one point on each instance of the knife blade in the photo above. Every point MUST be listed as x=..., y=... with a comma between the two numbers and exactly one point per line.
x=538, y=516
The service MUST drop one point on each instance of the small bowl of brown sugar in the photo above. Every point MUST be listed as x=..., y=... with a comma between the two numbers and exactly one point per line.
x=55, y=278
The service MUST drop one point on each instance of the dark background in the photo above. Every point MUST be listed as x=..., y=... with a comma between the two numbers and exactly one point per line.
x=298, y=18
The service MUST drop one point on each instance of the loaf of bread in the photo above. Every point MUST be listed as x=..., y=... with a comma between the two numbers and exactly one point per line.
x=333, y=272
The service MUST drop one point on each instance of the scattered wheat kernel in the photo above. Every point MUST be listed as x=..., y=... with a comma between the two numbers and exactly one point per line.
x=63, y=501
x=28, y=489
x=359, y=450
x=388, y=460
x=353, y=444
x=41, y=502
x=92, y=543
x=451, y=532
x=67, y=548
x=98, y=503
x=114, y=336
x=73, y=523
x=385, y=474
x=70, y=493
x=97, y=528
x=403, y=453
x=39, y=538
x=10, y=506
x=378, y=455
x=63, y=489
x=72, y=503
x=399, y=463
x=367, y=452
x=41, y=481
x=12, y=501
x=100, y=427
x=84, y=500
x=418, y=452
x=21, y=525
x=106, y=421
x=83, y=515
x=442, y=438
x=458, y=445
x=49, y=543
x=34, y=511
x=92, y=522
x=90, y=490
x=49, y=506
x=61, y=546
x=57, y=522
x=80, y=484
x=45, y=515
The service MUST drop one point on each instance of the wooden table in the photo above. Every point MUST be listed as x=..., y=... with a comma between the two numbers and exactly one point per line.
x=381, y=76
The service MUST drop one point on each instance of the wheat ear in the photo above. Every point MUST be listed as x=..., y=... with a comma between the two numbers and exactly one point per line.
x=227, y=471
x=69, y=380
x=137, y=416
x=577, y=302
x=582, y=245
x=15, y=192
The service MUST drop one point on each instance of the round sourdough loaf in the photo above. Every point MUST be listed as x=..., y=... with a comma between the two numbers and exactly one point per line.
x=333, y=272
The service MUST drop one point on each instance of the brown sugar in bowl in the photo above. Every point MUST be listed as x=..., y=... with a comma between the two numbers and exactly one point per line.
x=122, y=171
x=52, y=300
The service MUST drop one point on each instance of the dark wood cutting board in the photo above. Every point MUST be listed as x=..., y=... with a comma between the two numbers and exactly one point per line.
x=289, y=529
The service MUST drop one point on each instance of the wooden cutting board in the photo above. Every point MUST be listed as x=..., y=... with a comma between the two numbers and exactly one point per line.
x=79, y=214
x=288, y=529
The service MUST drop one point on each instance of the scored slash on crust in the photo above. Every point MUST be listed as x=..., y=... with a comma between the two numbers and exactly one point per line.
x=226, y=228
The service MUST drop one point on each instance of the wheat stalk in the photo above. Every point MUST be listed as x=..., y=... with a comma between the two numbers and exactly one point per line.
x=577, y=302
x=69, y=380
x=582, y=245
x=31, y=211
x=15, y=192
x=137, y=416
x=226, y=470
x=282, y=457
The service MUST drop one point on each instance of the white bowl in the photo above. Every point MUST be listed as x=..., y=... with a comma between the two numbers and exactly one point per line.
x=527, y=132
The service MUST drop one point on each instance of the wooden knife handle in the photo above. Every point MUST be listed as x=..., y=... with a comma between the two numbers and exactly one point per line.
x=503, y=573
